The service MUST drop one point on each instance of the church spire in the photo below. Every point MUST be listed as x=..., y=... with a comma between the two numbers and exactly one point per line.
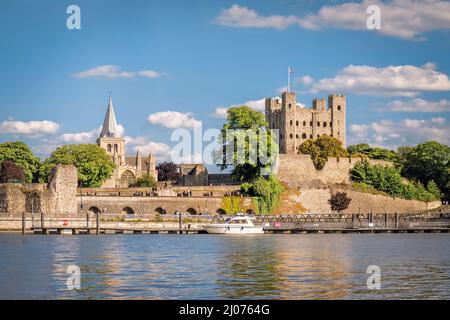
x=110, y=128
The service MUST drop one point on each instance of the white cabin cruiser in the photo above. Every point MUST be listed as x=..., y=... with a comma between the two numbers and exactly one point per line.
x=235, y=225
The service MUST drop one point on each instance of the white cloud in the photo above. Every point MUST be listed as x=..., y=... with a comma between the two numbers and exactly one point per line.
x=173, y=119
x=220, y=112
x=391, y=134
x=29, y=128
x=114, y=72
x=86, y=136
x=242, y=17
x=418, y=105
x=406, y=19
x=406, y=80
x=307, y=80
x=160, y=150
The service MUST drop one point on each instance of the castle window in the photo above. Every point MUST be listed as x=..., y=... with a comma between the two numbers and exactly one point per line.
x=310, y=136
x=291, y=136
x=116, y=148
x=324, y=124
x=310, y=123
x=291, y=105
x=109, y=148
x=318, y=135
x=339, y=108
x=290, y=123
x=331, y=124
x=304, y=123
x=296, y=136
x=304, y=136
x=318, y=123
x=296, y=123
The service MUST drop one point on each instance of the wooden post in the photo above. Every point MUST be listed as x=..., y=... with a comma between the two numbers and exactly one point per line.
x=42, y=222
x=23, y=223
x=98, y=223
x=87, y=222
x=396, y=220
x=386, y=220
x=180, y=221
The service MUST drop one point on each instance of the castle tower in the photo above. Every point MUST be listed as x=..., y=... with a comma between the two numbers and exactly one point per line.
x=337, y=103
x=110, y=138
x=138, y=164
x=288, y=129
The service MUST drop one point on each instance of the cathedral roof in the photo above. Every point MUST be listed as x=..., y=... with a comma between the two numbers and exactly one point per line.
x=110, y=127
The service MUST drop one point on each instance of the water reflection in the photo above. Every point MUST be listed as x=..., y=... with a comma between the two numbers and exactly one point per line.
x=230, y=267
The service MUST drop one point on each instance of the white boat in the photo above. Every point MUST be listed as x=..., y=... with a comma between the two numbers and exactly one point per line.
x=235, y=225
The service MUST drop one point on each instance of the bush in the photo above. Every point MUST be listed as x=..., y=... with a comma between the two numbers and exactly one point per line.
x=322, y=148
x=388, y=179
x=145, y=181
x=339, y=201
x=267, y=191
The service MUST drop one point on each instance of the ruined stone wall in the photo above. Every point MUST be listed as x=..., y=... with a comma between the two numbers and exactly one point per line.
x=63, y=184
x=298, y=170
x=316, y=201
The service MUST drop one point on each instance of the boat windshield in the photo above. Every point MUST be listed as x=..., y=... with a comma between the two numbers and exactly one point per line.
x=238, y=221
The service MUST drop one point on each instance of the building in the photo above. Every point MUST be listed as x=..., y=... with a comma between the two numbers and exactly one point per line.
x=128, y=168
x=297, y=124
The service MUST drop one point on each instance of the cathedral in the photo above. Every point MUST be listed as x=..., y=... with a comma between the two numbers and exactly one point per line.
x=128, y=168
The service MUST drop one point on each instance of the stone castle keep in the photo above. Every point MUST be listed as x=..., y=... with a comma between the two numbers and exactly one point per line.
x=128, y=168
x=298, y=124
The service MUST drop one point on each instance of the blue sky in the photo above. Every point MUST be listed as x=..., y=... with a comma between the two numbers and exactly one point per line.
x=195, y=57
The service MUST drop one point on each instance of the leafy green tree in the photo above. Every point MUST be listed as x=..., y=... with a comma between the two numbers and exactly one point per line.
x=9, y=171
x=268, y=191
x=145, y=181
x=371, y=153
x=93, y=163
x=19, y=153
x=433, y=188
x=248, y=125
x=167, y=171
x=322, y=148
x=429, y=161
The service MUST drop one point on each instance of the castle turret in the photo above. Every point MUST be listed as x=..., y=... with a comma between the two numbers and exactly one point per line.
x=337, y=104
x=288, y=130
x=138, y=164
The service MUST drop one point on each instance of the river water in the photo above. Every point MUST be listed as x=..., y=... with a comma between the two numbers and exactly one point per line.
x=302, y=266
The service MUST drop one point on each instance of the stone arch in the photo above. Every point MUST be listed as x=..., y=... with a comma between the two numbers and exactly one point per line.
x=304, y=136
x=160, y=210
x=221, y=211
x=95, y=210
x=116, y=148
x=192, y=211
x=339, y=107
x=128, y=210
x=127, y=178
x=109, y=147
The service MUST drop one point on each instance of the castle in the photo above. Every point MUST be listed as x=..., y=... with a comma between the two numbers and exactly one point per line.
x=297, y=124
x=128, y=168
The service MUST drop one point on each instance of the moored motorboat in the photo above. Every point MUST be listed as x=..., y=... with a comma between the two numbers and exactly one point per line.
x=235, y=225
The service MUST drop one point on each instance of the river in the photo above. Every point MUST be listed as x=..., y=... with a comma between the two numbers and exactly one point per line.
x=301, y=266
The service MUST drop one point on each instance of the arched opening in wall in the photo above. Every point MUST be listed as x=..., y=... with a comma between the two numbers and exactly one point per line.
x=128, y=211
x=291, y=136
x=126, y=179
x=116, y=148
x=290, y=105
x=250, y=211
x=304, y=136
x=221, y=211
x=109, y=148
x=296, y=123
x=304, y=123
x=339, y=108
x=160, y=210
x=192, y=211
x=318, y=123
x=94, y=210
x=324, y=124
x=290, y=122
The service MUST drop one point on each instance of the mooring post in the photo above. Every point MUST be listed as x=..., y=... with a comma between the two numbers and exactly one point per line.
x=386, y=220
x=180, y=222
x=98, y=223
x=87, y=221
x=23, y=223
x=396, y=220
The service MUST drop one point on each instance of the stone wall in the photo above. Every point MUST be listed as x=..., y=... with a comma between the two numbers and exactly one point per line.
x=316, y=201
x=297, y=170
x=59, y=196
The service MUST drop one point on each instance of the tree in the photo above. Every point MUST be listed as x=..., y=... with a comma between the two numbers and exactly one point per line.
x=167, y=171
x=244, y=137
x=22, y=156
x=267, y=190
x=9, y=171
x=94, y=165
x=145, y=181
x=429, y=161
x=322, y=148
x=339, y=202
x=371, y=153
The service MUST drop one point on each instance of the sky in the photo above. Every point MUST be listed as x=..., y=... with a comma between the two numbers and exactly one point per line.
x=177, y=64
